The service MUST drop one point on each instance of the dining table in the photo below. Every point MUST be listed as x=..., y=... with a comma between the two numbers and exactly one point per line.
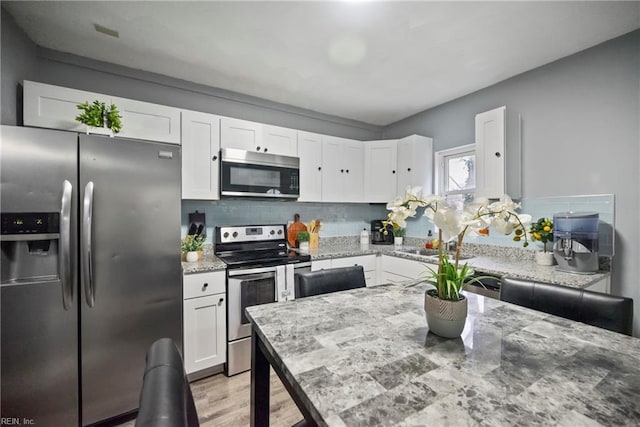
x=365, y=357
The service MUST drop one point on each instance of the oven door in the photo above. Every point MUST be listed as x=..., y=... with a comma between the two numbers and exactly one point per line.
x=245, y=173
x=248, y=288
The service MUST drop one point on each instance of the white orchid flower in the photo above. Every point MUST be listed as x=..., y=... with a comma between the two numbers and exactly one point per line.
x=413, y=193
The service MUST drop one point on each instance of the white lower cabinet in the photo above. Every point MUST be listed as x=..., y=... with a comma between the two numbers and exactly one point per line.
x=398, y=270
x=205, y=320
x=602, y=285
x=368, y=263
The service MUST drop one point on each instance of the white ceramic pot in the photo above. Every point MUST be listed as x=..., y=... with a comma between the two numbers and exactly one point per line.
x=397, y=241
x=304, y=247
x=544, y=258
x=192, y=256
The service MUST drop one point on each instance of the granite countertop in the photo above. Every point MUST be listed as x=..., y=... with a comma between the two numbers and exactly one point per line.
x=494, y=264
x=364, y=358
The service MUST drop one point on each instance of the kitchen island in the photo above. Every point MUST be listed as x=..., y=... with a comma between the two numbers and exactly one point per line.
x=364, y=357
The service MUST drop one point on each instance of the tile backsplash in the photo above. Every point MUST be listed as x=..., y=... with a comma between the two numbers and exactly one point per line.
x=339, y=219
x=348, y=219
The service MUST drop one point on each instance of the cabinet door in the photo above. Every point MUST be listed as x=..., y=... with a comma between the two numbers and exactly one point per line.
x=353, y=183
x=240, y=134
x=153, y=122
x=380, y=170
x=200, y=156
x=490, y=155
x=54, y=107
x=278, y=140
x=332, y=169
x=204, y=332
x=415, y=164
x=310, y=153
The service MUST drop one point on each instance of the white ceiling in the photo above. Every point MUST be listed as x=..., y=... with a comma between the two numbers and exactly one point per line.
x=376, y=62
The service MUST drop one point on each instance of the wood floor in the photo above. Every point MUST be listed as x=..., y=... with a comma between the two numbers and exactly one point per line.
x=224, y=402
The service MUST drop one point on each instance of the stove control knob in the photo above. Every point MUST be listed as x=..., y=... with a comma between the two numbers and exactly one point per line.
x=272, y=232
x=235, y=234
x=225, y=235
x=279, y=231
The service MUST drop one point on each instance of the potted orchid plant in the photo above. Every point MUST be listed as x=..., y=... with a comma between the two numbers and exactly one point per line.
x=445, y=306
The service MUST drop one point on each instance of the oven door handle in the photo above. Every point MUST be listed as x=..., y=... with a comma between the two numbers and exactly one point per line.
x=257, y=276
x=250, y=271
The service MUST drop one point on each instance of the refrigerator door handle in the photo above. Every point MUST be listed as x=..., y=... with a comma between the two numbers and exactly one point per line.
x=66, y=277
x=87, y=265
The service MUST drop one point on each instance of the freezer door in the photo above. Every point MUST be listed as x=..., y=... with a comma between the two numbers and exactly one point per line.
x=131, y=271
x=39, y=351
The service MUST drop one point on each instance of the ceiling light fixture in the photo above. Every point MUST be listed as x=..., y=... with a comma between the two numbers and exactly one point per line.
x=108, y=31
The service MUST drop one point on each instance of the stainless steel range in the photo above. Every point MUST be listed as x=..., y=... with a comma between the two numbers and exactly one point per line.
x=260, y=270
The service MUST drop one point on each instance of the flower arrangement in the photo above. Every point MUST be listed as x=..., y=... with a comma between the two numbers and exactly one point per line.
x=542, y=231
x=454, y=223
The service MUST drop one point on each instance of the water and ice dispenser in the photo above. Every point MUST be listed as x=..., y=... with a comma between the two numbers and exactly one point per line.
x=30, y=247
x=575, y=241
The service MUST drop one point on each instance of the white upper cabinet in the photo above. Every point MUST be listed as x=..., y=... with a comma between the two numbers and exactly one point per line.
x=200, y=156
x=279, y=140
x=143, y=120
x=252, y=136
x=54, y=107
x=490, y=153
x=240, y=134
x=415, y=164
x=342, y=170
x=354, y=171
x=380, y=170
x=310, y=153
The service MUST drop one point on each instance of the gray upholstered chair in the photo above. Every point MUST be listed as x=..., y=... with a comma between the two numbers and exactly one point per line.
x=594, y=308
x=331, y=280
x=165, y=399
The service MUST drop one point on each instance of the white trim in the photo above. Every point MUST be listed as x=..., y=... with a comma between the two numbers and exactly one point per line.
x=439, y=157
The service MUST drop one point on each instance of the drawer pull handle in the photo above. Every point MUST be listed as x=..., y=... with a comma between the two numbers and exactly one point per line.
x=221, y=301
x=205, y=286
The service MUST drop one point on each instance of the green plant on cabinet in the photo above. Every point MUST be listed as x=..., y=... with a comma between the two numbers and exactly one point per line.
x=99, y=114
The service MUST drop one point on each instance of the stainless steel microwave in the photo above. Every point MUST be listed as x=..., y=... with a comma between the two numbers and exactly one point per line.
x=252, y=174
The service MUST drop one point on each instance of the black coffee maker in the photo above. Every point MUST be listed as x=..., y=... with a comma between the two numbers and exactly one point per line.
x=377, y=235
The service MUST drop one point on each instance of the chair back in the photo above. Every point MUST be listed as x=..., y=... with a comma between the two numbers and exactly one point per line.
x=331, y=280
x=165, y=399
x=605, y=311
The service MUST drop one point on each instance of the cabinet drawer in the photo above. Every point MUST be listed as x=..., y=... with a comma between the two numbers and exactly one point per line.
x=368, y=262
x=322, y=264
x=203, y=284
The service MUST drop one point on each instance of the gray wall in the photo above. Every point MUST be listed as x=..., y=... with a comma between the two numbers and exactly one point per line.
x=18, y=63
x=580, y=135
x=25, y=61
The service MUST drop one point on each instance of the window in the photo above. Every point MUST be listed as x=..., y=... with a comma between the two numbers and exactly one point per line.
x=456, y=173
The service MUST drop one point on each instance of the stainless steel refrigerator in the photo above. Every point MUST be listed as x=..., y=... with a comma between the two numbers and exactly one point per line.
x=90, y=270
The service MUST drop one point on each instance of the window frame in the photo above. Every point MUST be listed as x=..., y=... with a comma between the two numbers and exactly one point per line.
x=441, y=168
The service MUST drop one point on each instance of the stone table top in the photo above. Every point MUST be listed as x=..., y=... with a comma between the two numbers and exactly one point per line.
x=364, y=358
x=489, y=264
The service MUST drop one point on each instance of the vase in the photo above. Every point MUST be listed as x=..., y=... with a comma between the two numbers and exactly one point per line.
x=192, y=256
x=304, y=247
x=544, y=258
x=397, y=242
x=445, y=318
